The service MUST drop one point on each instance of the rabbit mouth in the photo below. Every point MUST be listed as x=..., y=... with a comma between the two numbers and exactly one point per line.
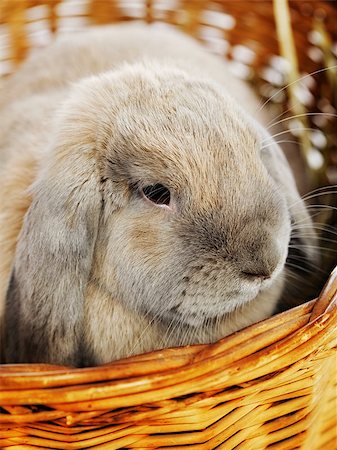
x=198, y=311
x=199, y=307
x=208, y=297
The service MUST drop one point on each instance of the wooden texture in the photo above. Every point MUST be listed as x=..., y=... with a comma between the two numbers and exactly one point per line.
x=254, y=23
x=272, y=385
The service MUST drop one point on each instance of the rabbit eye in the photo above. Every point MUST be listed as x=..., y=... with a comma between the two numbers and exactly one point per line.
x=157, y=193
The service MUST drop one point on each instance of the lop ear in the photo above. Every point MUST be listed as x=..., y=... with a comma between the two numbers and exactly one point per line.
x=44, y=304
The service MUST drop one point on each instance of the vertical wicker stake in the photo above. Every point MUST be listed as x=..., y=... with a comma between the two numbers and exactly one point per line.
x=149, y=11
x=194, y=10
x=103, y=11
x=16, y=23
x=330, y=61
x=288, y=51
x=52, y=16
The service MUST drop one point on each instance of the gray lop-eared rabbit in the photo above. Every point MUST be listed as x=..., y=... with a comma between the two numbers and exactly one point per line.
x=141, y=206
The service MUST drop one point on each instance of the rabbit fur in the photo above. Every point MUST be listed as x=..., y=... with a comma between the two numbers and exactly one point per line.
x=91, y=270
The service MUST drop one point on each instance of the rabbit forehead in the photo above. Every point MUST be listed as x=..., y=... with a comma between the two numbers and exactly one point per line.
x=157, y=126
x=171, y=107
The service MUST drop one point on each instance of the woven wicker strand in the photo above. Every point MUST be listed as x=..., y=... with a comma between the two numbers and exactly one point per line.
x=272, y=385
x=274, y=381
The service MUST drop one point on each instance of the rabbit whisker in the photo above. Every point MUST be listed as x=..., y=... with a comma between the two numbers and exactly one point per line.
x=285, y=141
x=294, y=82
x=300, y=115
x=280, y=133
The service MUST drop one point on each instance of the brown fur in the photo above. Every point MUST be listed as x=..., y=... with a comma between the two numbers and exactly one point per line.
x=100, y=273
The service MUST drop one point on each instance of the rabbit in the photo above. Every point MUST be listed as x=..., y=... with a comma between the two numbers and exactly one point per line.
x=143, y=204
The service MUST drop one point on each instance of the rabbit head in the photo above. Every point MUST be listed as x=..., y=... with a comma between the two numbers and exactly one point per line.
x=157, y=188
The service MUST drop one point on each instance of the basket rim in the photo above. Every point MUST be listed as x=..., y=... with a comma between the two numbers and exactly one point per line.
x=294, y=332
x=317, y=310
x=128, y=381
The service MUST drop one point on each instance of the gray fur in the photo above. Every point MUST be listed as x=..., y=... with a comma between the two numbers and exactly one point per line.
x=98, y=272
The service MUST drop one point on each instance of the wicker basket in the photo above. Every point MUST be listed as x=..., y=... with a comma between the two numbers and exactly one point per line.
x=272, y=385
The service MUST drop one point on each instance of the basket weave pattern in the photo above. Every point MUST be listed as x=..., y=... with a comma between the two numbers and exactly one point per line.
x=272, y=385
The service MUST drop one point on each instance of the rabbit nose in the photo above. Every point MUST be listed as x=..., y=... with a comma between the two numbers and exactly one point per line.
x=260, y=267
x=257, y=275
x=258, y=258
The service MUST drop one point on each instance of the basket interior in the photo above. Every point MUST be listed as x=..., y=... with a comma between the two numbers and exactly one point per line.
x=246, y=34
